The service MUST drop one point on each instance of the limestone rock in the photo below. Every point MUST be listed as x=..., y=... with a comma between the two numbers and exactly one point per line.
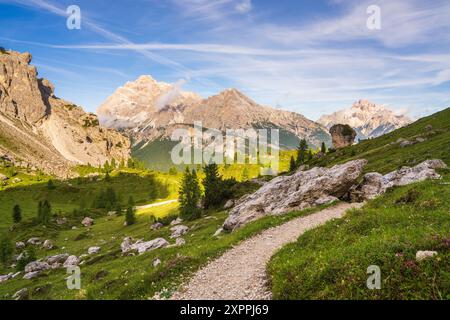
x=59, y=258
x=176, y=221
x=342, y=135
x=94, y=250
x=34, y=241
x=375, y=184
x=142, y=247
x=156, y=263
x=180, y=242
x=157, y=226
x=71, y=261
x=20, y=245
x=48, y=245
x=3, y=177
x=296, y=192
x=229, y=205
x=32, y=275
x=22, y=294
x=422, y=255
x=87, y=222
x=36, y=266
x=178, y=231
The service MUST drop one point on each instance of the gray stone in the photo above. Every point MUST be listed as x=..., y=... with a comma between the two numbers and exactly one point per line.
x=375, y=184
x=157, y=226
x=87, y=222
x=229, y=205
x=34, y=241
x=59, y=258
x=20, y=245
x=94, y=250
x=156, y=263
x=422, y=255
x=48, y=245
x=299, y=191
x=71, y=261
x=36, y=266
x=22, y=294
x=32, y=275
x=178, y=231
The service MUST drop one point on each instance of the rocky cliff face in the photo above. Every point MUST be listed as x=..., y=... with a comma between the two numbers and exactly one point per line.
x=41, y=131
x=368, y=119
x=149, y=110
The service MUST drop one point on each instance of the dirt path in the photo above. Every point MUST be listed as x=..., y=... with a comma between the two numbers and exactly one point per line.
x=240, y=274
x=154, y=205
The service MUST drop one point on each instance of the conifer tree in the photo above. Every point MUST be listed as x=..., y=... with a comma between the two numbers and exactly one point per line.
x=17, y=214
x=189, y=196
x=213, y=186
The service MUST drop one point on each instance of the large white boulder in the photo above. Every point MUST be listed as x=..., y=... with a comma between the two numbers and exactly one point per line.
x=302, y=190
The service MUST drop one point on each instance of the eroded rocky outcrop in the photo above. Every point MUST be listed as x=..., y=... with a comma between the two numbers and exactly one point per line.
x=41, y=131
x=342, y=135
x=302, y=190
x=375, y=184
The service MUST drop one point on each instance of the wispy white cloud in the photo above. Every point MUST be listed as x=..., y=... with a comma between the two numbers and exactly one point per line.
x=244, y=6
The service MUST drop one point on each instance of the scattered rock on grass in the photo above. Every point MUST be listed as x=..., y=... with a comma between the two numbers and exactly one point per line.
x=157, y=226
x=71, y=261
x=36, y=266
x=156, y=263
x=94, y=250
x=176, y=221
x=48, y=245
x=87, y=222
x=178, y=231
x=34, y=241
x=180, y=242
x=20, y=245
x=229, y=204
x=22, y=294
x=422, y=255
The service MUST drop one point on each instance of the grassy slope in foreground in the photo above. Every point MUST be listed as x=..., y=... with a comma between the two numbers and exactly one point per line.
x=109, y=275
x=330, y=262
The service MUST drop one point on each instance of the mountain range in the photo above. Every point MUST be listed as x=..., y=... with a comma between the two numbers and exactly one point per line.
x=42, y=132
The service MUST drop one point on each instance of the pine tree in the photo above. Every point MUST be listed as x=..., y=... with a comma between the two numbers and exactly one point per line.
x=50, y=185
x=17, y=214
x=292, y=165
x=46, y=212
x=6, y=249
x=189, y=196
x=213, y=186
x=130, y=216
x=113, y=164
x=301, y=152
x=323, y=149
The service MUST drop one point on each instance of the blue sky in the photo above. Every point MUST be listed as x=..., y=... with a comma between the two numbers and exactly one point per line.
x=309, y=56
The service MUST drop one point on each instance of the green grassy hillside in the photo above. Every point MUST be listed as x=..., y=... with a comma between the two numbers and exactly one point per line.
x=71, y=194
x=330, y=262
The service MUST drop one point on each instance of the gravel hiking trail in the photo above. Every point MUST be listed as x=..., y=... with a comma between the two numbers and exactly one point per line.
x=240, y=273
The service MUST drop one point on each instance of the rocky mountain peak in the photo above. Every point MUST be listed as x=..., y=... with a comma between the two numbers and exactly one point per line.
x=368, y=119
x=39, y=130
x=22, y=94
